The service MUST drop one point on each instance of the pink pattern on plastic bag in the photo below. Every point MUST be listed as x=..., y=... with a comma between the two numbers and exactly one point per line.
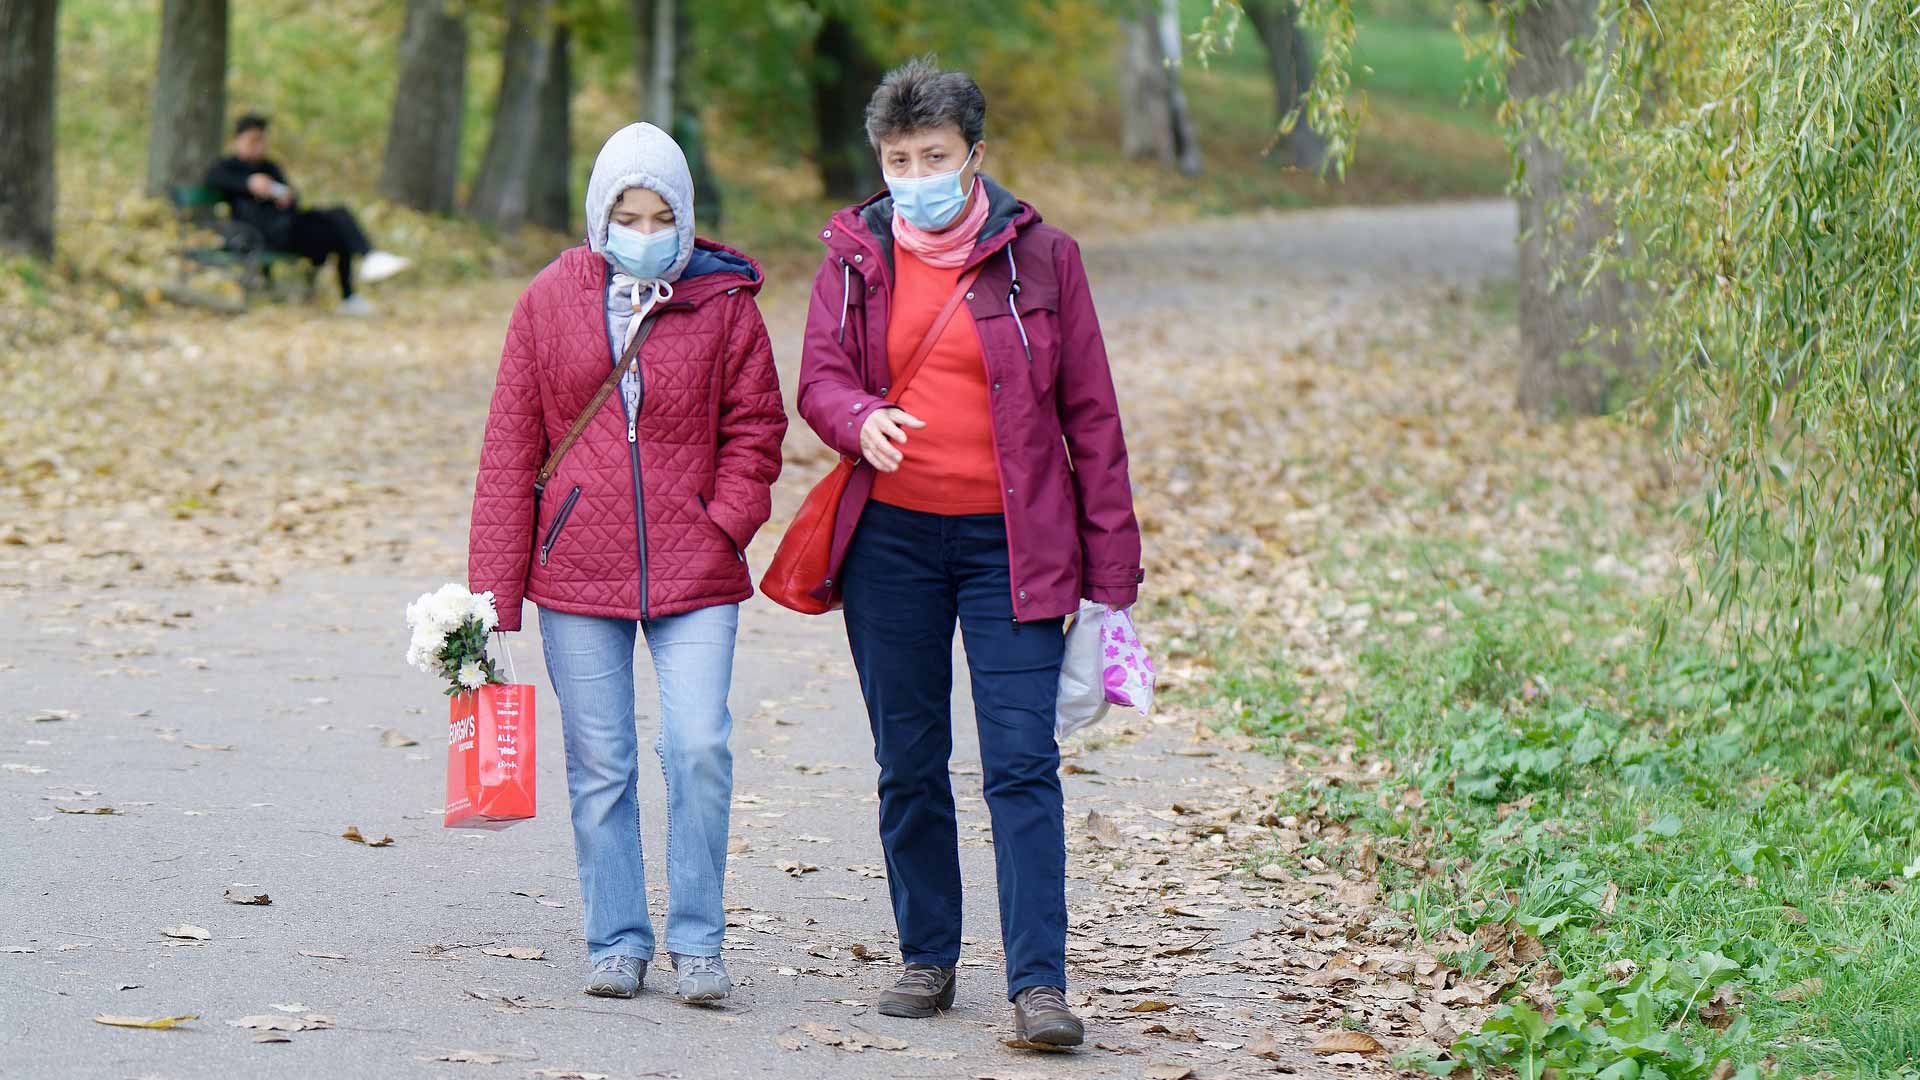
x=1129, y=672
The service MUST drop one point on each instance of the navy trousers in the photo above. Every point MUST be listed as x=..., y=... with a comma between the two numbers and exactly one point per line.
x=908, y=578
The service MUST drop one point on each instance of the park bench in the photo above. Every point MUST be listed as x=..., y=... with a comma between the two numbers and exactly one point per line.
x=241, y=251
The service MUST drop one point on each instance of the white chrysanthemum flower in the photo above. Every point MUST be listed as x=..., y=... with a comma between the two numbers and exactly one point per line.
x=483, y=610
x=471, y=676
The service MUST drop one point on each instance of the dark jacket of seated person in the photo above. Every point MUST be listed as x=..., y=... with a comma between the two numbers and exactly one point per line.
x=273, y=208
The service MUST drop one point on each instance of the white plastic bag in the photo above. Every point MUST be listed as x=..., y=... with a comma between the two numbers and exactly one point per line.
x=1083, y=688
x=1129, y=676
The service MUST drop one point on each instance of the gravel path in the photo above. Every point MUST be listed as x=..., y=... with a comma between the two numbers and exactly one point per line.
x=236, y=732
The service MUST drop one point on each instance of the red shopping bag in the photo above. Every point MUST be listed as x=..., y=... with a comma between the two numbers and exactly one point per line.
x=490, y=769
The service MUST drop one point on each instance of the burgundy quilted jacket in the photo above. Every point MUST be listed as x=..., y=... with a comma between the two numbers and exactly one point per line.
x=1071, y=531
x=642, y=529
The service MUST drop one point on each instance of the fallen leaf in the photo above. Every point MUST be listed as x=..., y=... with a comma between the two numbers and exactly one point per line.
x=208, y=746
x=1103, y=830
x=187, y=931
x=154, y=1023
x=353, y=834
x=1347, y=1042
x=246, y=895
x=568, y=1074
x=394, y=739
x=270, y=1022
x=1273, y=872
x=1165, y=1070
x=79, y=810
x=795, y=869
x=1149, y=1005
x=518, y=952
x=853, y=1040
x=17, y=949
x=48, y=716
x=322, y=955
x=1801, y=990
x=1263, y=1046
x=271, y=1037
x=468, y=1057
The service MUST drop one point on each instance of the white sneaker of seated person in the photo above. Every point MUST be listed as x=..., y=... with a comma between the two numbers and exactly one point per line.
x=381, y=265
x=355, y=305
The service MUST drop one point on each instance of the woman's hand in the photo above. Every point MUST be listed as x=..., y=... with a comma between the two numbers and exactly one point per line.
x=882, y=431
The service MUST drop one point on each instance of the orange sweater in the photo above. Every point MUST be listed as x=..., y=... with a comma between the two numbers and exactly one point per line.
x=949, y=466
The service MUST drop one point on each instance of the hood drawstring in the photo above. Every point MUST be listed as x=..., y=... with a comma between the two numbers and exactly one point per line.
x=1013, y=290
x=658, y=292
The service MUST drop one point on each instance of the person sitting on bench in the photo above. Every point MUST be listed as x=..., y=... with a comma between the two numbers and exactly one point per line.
x=257, y=192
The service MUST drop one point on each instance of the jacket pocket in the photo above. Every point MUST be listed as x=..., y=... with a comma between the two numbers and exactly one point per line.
x=707, y=512
x=1029, y=315
x=559, y=522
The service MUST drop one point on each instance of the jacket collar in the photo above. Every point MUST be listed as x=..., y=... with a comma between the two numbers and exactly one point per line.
x=867, y=228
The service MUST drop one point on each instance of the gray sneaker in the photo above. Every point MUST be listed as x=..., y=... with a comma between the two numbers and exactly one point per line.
x=1041, y=1016
x=922, y=990
x=702, y=978
x=617, y=976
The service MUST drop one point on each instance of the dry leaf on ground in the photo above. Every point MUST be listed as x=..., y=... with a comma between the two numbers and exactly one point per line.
x=353, y=834
x=272, y=1022
x=1103, y=830
x=101, y=810
x=1347, y=1042
x=244, y=894
x=1164, y=1070
x=853, y=1039
x=568, y=1074
x=322, y=955
x=518, y=952
x=394, y=739
x=153, y=1023
x=470, y=1057
x=187, y=932
x=1801, y=990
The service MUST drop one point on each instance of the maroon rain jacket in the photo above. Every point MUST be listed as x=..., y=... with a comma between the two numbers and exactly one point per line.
x=1056, y=424
x=639, y=528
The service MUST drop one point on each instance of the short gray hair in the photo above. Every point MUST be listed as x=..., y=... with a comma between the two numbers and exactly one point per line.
x=918, y=95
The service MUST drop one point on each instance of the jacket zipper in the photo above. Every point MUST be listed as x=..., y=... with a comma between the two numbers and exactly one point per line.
x=559, y=522
x=633, y=446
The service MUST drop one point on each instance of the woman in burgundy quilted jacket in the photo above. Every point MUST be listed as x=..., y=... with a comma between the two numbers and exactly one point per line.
x=640, y=530
x=993, y=492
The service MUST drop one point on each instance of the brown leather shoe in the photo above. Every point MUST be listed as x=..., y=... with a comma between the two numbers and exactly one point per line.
x=1040, y=1015
x=922, y=990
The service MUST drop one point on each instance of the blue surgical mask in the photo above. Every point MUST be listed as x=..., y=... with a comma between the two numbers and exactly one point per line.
x=930, y=202
x=643, y=255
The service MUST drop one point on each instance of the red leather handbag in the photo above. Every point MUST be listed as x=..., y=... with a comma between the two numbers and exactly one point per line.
x=800, y=565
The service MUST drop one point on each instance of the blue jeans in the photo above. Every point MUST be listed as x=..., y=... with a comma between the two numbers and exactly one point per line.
x=908, y=578
x=590, y=661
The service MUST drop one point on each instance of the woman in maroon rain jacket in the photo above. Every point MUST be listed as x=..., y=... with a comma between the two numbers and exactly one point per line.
x=994, y=493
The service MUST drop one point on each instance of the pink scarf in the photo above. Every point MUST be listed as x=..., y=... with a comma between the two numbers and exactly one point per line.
x=949, y=247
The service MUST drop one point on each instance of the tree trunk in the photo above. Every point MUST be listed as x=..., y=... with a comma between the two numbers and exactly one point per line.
x=1574, y=337
x=643, y=17
x=422, y=167
x=844, y=76
x=26, y=126
x=690, y=134
x=189, y=93
x=551, y=201
x=1156, y=123
x=663, y=73
x=1290, y=64
x=500, y=193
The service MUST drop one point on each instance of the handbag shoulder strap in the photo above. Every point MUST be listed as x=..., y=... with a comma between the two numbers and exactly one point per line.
x=599, y=398
x=925, y=348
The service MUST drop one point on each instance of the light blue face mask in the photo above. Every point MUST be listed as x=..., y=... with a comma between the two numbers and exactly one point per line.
x=930, y=202
x=643, y=255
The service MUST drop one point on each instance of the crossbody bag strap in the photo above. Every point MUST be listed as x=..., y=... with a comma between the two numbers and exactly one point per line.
x=599, y=398
x=940, y=321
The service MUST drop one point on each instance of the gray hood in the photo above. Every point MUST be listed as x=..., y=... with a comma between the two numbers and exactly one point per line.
x=641, y=155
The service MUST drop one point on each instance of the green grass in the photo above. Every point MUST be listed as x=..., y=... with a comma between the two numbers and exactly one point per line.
x=1755, y=830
